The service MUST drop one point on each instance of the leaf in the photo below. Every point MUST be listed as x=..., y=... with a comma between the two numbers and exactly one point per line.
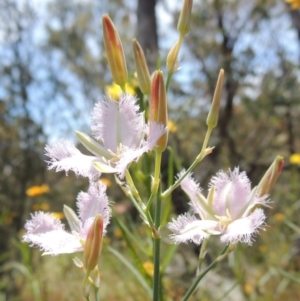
x=290, y=276
x=133, y=270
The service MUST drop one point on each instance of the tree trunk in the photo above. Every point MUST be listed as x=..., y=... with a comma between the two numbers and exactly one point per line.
x=147, y=31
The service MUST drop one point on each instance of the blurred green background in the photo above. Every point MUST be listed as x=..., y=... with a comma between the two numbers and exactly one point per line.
x=52, y=71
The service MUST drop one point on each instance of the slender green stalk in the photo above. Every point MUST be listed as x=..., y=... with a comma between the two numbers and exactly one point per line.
x=156, y=251
x=202, y=254
x=150, y=201
x=168, y=80
x=96, y=293
x=123, y=88
x=200, y=276
x=133, y=189
x=205, y=142
x=167, y=205
x=157, y=218
x=198, y=159
x=156, y=180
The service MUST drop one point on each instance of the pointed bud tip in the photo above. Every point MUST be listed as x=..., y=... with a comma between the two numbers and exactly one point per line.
x=159, y=107
x=114, y=52
x=184, y=21
x=271, y=176
x=142, y=70
x=213, y=115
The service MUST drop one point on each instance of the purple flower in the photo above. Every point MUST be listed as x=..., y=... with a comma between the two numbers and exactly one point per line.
x=119, y=130
x=228, y=211
x=48, y=233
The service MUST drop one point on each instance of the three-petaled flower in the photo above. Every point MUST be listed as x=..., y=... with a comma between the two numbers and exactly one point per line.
x=229, y=210
x=47, y=232
x=119, y=129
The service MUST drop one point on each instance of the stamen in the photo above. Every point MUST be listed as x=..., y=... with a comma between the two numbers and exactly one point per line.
x=224, y=221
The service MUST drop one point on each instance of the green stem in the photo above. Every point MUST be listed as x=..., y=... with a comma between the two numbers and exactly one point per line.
x=137, y=201
x=133, y=189
x=202, y=254
x=137, y=206
x=168, y=81
x=156, y=180
x=200, y=276
x=123, y=88
x=168, y=203
x=97, y=297
x=156, y=251
x=198, y=159
x=150, y=201
x=157, y=218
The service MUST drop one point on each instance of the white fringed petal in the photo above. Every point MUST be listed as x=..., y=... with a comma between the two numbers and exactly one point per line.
x=64, y=156
x=47, y=233
x=193, y=190
x=243, y=229
x=116, y=123
x=93, y=202
x=188, y=228
x=231, y=191
x=227, y=211
x=131, y=123
x=129, y=155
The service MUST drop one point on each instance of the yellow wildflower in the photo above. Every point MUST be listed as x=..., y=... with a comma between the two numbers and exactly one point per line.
x=279, y=217
x=106, y=240
x=114, y=90
x=263, y=248
x=44, y=206
x=106, y=182
x=118, y=233
x=295, y=4
x=58, y=215
x=295, y=158
x=34, y=191
x=36, y=207
x=172, y=126
x=149, y=268
x=248, y=289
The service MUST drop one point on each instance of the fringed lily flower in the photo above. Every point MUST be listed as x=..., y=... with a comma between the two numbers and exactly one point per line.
x=119, y=129
x=229, y=210
x=48, y=233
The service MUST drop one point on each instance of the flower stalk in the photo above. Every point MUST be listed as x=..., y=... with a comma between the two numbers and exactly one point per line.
x=226, y=251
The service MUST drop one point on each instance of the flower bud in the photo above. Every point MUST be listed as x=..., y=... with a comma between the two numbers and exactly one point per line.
x=213, y=115
x=93, y=244
x=158, y=107
x=172, y=58
x=114, y=52
x=143, y=75
x=270, y=177
x=184, y=21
